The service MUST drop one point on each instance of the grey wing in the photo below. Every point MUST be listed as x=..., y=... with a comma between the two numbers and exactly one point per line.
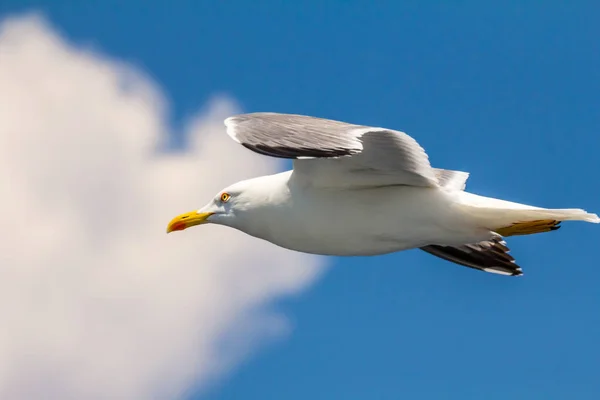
x=334, y=153
x=489, y=256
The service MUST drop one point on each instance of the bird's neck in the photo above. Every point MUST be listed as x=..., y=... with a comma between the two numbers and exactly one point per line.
x=267, y=201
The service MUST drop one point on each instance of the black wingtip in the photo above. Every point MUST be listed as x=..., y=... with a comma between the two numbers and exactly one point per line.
x=297, y=152
x=490, y=256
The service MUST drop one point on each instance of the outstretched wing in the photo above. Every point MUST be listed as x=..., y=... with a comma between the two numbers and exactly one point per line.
x=489, y=256
x=333, y=153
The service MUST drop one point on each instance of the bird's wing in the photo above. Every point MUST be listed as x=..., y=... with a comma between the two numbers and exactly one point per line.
x=449, y=179
x=489, y=256
x=333, y=153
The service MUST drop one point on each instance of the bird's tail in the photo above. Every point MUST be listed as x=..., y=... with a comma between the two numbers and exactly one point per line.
x=511, y=219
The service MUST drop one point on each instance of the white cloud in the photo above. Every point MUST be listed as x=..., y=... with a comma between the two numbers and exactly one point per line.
x=96, y=301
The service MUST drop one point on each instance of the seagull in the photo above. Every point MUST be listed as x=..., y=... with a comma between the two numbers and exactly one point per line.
x=357, y=190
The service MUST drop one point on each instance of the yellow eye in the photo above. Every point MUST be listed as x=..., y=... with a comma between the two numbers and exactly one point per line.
x=225, y=197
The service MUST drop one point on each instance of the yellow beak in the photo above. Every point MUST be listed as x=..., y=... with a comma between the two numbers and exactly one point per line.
x=186, y=220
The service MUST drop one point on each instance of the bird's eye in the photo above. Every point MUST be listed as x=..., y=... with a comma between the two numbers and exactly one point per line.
x=225, y=197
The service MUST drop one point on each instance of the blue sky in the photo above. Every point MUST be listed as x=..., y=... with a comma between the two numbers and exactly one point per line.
x=510, y=94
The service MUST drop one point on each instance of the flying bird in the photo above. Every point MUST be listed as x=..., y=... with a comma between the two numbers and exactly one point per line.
x=360, y=190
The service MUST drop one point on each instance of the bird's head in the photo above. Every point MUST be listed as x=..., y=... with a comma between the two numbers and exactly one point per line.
x=218, y=210
x=228, y=207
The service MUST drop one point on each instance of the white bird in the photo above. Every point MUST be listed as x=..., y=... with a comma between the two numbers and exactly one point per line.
x=360, y=190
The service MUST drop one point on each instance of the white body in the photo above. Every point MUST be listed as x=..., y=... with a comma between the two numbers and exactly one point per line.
x=371, y=221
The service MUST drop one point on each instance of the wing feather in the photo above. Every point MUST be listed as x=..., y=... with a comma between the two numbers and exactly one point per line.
x=334, y=153
x=449, y=179
x=293, y=136
x=489, y=256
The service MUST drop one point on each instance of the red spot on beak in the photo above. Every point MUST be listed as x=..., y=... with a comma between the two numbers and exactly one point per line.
x=178, y=226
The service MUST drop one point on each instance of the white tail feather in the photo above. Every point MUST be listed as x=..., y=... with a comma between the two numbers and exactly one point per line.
x=495, y=213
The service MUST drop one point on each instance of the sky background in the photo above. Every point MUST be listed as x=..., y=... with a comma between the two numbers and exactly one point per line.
x=509, y=93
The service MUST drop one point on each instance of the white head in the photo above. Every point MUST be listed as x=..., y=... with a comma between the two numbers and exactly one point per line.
x=234, y=206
